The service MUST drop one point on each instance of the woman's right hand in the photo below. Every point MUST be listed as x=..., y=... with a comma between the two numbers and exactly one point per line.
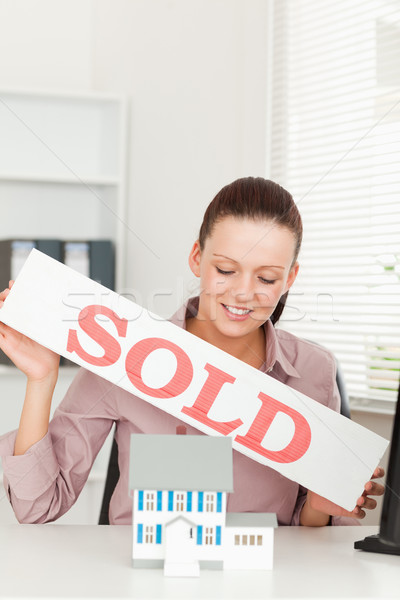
x=37, y=362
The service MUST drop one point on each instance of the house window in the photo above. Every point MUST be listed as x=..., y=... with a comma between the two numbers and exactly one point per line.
x=180, y=498
x=209, y=502
x=209, y=534
x=248, y=540
x=150, y=501
x=148, y=534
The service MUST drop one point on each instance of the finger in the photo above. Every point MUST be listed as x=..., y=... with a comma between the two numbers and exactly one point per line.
x=374, y=489
x=368, y=503
x=378, y=473
x=4, y=294
x=11, y=283
x=358, y=513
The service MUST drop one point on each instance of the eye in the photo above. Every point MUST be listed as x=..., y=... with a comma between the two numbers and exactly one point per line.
x=224, y=272
x=267, y=281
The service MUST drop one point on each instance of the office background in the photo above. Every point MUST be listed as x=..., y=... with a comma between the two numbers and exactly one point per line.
x=198, y=79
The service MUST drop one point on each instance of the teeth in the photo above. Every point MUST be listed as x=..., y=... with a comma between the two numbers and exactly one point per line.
x=237, y=311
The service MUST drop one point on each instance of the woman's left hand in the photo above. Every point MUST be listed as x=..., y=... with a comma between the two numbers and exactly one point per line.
x=364, y=502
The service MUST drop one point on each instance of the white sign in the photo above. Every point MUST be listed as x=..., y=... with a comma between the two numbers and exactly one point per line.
x=192, y=380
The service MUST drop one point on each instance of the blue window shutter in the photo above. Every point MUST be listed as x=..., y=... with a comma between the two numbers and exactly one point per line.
x=199, y=535
x=159, y=500
x=158, y=534
x=189, y=502
x=140, y=503
x=200, y=502
x=140, y=533
x=219, y=501
x=170, y=500
x=218, y=535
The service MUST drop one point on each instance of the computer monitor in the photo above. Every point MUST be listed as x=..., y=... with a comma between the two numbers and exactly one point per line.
x=388, y=538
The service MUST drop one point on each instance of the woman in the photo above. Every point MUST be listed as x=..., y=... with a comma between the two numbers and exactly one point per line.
x=246, y=260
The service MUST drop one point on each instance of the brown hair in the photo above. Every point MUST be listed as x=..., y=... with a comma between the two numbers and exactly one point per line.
x=255, y=198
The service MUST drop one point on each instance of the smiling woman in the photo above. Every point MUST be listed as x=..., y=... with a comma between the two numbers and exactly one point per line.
x=246, y=259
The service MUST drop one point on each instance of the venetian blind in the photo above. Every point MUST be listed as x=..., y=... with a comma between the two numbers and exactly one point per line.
x=335, y=145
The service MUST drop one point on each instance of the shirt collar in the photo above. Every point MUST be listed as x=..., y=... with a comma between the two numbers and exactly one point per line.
x=274, y=351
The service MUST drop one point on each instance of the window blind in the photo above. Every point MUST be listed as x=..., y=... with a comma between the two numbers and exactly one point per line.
x=335, y=145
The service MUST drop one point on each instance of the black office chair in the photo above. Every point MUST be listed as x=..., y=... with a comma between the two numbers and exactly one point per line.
x=113, y=468
x=111, y=482
x=344, y=397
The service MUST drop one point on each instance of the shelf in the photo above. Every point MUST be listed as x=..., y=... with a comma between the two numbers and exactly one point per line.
x=63, y=174
x=78, y=180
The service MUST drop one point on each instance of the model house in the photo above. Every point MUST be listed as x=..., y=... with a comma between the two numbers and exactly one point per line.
x=179, y=485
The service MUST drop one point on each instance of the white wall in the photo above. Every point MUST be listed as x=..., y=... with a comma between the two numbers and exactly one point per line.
x=195, y=73
x=46, y=44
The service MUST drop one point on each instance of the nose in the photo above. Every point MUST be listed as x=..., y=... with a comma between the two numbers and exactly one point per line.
x=244, y=289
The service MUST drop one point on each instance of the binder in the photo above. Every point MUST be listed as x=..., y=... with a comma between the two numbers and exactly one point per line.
x=76, y=254
x=102, y=263
x=52, y=248
x=93, y=258
x=13, y=254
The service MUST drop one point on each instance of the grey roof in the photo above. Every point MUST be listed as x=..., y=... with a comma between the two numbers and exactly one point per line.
x=247, y=519
x=180, y=462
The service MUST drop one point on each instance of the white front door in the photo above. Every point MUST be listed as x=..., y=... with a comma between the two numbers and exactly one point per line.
x=180, y=550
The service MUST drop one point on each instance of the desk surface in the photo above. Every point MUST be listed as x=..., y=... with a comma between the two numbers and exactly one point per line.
x=90, y=561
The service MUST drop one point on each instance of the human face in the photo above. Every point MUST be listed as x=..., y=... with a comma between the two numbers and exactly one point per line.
x=244, y=268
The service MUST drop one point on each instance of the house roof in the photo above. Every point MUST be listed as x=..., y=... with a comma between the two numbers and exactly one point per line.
x=180, y=462
x=247, y=519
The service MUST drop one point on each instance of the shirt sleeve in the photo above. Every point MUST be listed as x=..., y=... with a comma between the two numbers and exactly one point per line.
x=44, y=483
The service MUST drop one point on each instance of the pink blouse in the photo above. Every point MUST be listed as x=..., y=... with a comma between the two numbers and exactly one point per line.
x=46, y=481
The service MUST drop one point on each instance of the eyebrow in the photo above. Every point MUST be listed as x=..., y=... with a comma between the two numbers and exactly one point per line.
x=236, y=262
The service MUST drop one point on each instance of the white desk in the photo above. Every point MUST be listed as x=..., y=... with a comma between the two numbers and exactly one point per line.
x=77, y=561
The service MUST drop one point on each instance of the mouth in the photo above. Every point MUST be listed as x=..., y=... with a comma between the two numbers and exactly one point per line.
x=237, y=312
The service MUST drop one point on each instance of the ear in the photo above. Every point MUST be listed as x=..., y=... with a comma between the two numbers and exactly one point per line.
x=194, y=259
x=292, y=276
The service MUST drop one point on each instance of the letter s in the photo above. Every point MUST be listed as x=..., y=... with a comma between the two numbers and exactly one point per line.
x=88, y=323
